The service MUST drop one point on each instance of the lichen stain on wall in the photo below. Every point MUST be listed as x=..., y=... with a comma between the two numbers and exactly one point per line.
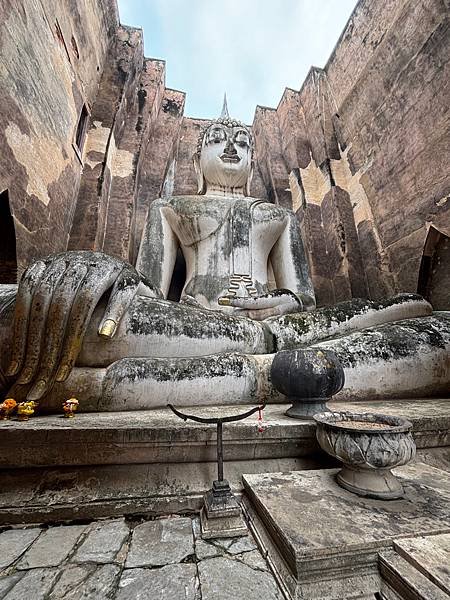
x=32, y=153
x=351, y=183
x=123, y=163
x=96, y=143
x=315, y=183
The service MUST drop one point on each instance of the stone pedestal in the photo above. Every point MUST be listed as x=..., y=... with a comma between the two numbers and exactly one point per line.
x=221, y=515
x=325, y=542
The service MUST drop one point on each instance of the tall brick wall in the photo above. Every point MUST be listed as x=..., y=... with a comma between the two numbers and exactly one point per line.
x=365, y=149
x=360, y=152
x=52, y=57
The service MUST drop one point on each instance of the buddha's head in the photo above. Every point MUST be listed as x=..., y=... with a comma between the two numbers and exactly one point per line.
x=223, y=161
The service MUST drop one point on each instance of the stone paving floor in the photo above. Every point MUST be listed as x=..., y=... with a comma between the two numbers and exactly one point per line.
x=163, y=559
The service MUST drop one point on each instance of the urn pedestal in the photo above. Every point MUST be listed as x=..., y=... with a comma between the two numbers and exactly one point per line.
x=369, y=445
x=309, y=377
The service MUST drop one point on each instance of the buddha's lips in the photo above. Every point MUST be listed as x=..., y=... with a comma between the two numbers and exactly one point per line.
x=230, y=158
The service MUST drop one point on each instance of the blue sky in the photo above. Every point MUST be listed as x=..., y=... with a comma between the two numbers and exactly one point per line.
x=252, y=49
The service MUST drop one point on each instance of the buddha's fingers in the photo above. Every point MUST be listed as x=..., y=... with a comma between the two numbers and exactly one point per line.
x=122, y=294
x=271, y=300
x=58, y=315
x=258, y=315
x=27, y=286
x=98, y=280
x=40, y=304
x=257, y=303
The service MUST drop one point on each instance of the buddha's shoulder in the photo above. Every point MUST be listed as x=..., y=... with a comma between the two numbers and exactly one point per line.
x=272, y=210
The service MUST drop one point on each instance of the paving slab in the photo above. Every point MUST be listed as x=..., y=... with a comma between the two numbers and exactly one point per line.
x=52, y=548
x=226, y=579
x=238, y=545
x=318, y=527
x=86, y=582
x=174, y=582
x=253, y=559
x=103, y=541
x=34, y=585
x=161, y=542
x=14, y=542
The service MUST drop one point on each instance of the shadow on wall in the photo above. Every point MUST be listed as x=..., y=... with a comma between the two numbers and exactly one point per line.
x=8, y=256
x=434, y=274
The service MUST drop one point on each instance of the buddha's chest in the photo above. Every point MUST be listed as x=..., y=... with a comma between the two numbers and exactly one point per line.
x=230, y=222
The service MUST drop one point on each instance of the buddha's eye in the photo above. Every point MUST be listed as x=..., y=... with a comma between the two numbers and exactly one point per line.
x=216, y=135
x=241, y=139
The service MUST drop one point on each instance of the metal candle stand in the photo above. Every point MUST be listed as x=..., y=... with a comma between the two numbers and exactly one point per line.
x=221, y=514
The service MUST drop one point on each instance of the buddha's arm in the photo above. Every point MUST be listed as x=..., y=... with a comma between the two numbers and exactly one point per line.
x=290, y=264
x=158, y=251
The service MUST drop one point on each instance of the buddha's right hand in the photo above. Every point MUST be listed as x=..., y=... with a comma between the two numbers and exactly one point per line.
x=55, y=301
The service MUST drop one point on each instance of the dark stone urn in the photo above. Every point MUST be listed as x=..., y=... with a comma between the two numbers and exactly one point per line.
x=309, y=377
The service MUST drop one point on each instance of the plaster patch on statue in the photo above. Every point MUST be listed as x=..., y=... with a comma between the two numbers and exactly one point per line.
x=315, y=183
x=96, y=141
x=32, y=153
x=123, y=163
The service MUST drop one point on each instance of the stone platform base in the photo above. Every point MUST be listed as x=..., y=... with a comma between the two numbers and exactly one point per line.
x=327, y=543
x=151, y=462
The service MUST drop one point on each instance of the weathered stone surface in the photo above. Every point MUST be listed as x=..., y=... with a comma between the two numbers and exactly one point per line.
x=171, y=581
x=160, y=542
x=14, y=542
x=52, y=547
x=429, y=554
x=103, y=541
x=86, y=582
x=7, y=582
x=226, y=579
x=35, y=584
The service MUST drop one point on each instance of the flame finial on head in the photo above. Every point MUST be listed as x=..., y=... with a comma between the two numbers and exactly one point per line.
x=225, y=114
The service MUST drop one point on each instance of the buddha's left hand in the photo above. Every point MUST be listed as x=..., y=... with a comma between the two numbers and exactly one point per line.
x=275, y=303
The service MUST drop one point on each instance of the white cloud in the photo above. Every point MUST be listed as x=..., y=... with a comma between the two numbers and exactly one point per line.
x=252, y=49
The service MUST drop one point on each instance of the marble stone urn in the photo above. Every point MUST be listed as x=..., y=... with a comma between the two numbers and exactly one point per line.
x=369, y=445
x=309, y=377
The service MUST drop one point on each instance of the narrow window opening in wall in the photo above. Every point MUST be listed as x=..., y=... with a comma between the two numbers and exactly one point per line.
x=81, y=128
x=434, y=273
x=8, y=256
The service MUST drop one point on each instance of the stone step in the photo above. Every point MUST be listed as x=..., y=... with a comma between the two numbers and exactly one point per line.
x=404, y=581
x=325, y=538
x=111, y=464
x=158, y=436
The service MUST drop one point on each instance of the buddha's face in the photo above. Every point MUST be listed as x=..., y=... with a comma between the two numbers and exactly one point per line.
x=226, y=156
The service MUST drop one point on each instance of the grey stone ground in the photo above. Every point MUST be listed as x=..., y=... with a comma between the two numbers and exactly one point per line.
x=163, y=559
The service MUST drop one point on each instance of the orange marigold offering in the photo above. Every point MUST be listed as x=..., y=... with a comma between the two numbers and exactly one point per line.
x=9, y=403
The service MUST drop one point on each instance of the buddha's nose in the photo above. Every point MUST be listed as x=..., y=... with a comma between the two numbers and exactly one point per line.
x=230, y=148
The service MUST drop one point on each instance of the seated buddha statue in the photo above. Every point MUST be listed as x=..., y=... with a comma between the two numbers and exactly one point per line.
x=87, y=324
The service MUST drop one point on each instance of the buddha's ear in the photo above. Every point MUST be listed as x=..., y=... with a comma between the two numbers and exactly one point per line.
x=201, y=188
x=249, y=181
